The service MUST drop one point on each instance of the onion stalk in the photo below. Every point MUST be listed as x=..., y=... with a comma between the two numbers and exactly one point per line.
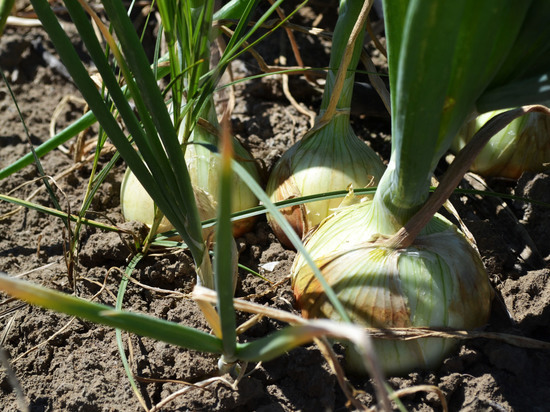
x=330, y=156
x=442, y=58
x=523, y=146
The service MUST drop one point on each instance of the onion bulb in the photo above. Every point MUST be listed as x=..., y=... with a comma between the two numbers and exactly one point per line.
x=332, y=158
x=439, y=281
x=136, y=204
x=204, y=170
x=522, y=146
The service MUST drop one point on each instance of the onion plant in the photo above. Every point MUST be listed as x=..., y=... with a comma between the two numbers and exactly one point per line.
x=330, y=156
x=407, y=266
x=391, y=262
x=150, y=144
x=189, y=63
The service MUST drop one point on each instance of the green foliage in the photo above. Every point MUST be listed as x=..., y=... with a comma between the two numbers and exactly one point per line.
x=5, y=9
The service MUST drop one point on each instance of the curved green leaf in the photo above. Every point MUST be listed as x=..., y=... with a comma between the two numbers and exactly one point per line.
x=139, y=324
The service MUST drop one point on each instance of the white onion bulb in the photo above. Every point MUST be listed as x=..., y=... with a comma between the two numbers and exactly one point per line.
x=439, y=281
x=332, y=158
x=204, y=170
x=136, y=204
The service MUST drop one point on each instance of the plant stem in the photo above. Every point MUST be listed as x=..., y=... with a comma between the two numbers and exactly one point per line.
x=442, y=57
x=347, y=44
x=406, y=235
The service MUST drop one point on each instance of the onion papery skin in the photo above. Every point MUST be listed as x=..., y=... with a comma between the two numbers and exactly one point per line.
x=439, y=281
x=332, y=158
x=204, y=169
x=522, y=146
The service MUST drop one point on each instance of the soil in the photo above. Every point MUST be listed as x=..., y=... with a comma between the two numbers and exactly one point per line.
x=74, y=365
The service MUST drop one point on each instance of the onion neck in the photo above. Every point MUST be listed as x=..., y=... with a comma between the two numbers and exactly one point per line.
x=397, y=199
x=348, y=14
x=208, y=113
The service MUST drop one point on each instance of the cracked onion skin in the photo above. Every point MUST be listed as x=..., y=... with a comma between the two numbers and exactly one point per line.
x=332, y=158
x=522, y=146
x=439, y=281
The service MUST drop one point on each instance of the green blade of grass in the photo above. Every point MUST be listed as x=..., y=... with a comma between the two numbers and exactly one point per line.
x=145, y=82
x=78, y=72
x=144, y=132
x=139, y=324
x=6, y=7
x=140, y=129
x=240, y=37
x=120, y=297
x=168, y=17
x=96, y=183
x=290, y=337
x=57, y=213
x=235, y=9
x=158, y=166
x=63, y=136
x=233, y=48
x=79, y=125
x=181, y=210
x=224, y=259
x=45, y=180
x=261, y=210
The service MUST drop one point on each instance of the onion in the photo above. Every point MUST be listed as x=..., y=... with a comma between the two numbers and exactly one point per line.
x=204, y=170
x=333, y=158
x=136, y=204
x=523, y=146
x=439, y=281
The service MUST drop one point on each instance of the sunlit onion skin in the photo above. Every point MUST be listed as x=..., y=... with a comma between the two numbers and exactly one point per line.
x=333, y=158
x=439, y=281
x=523, y=146
x=136, y=204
